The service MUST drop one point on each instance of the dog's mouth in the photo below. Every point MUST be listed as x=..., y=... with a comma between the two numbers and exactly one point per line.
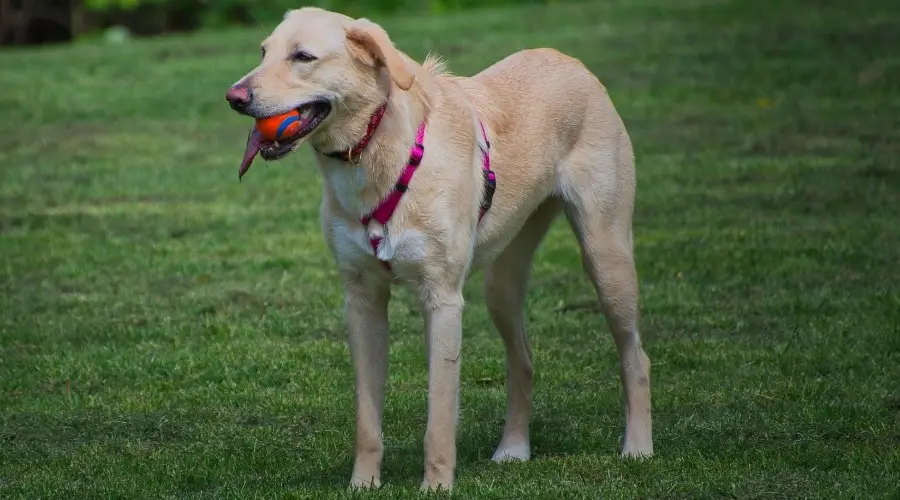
x=311, y=116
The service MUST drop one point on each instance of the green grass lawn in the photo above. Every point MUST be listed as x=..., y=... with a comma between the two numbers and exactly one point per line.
x=169, y=332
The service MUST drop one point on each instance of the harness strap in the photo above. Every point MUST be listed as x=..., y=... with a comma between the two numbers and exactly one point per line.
x=385, y=210
x=490, y=178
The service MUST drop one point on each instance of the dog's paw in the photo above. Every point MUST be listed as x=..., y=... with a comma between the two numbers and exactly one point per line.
x=511, y=453
x=637, y=452
x=359, y=483
x=637, y=446
x=435, y=487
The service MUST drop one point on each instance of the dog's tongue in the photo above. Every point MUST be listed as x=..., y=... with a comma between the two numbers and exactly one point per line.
x=254, y=141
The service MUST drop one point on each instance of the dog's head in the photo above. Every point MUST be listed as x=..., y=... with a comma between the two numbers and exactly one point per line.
x=322, y=64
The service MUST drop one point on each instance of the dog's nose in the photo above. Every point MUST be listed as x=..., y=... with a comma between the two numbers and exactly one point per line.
x=239, y=97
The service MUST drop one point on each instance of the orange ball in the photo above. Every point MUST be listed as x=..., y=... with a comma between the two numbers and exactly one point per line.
x=278, y=127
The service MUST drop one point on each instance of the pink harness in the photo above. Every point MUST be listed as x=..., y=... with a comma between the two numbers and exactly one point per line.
x=383, y=212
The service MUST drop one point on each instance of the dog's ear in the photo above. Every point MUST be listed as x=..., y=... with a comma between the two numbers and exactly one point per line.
x=369, y=43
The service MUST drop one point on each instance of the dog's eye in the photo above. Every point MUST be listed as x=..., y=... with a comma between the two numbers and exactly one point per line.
x=303, y=56
x=262, y=53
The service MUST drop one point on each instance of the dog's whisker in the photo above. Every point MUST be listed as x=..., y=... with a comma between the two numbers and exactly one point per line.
x=260, y=24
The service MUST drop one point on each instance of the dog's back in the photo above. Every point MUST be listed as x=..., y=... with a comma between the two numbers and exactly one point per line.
x=554, y=132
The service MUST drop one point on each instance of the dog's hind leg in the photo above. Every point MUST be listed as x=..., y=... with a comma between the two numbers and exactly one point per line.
x=505, y=289
x=599, y=208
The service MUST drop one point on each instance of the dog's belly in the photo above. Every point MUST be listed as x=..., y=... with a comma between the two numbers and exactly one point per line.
x=486, y=253
x=498, y=230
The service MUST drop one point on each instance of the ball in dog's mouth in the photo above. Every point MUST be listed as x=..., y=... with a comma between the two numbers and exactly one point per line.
x=311, y=116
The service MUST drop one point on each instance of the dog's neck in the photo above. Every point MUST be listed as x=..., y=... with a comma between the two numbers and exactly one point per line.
x=352, y=154
x=359, y=187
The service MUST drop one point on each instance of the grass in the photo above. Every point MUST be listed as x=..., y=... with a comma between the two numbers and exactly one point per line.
x=168, y=332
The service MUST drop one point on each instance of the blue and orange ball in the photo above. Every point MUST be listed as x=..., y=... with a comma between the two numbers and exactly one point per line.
x=279, y=127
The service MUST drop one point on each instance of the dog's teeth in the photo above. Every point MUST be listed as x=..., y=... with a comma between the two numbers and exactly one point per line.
x=305, y=114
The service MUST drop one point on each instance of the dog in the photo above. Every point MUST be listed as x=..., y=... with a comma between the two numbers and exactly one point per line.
x=429, y=176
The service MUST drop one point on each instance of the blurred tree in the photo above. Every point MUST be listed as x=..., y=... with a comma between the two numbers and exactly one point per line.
x=41, y=21
x=35, y=21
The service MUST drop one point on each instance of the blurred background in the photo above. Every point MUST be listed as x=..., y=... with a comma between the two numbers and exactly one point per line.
x=25, y=22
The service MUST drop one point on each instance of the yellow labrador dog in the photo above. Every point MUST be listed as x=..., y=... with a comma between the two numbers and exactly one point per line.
x=429, y=176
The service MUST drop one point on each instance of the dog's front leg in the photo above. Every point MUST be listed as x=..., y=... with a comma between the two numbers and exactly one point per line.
x=367, y=322
x=443, y=324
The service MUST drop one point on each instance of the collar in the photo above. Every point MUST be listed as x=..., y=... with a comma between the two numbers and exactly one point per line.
x=353, y=154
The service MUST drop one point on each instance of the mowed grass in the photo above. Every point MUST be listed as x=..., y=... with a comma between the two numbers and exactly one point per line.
x=169, y=332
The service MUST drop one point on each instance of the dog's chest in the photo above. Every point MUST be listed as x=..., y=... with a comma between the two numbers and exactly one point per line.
x=353, y=240
x=348, y=187
x=358, y=246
